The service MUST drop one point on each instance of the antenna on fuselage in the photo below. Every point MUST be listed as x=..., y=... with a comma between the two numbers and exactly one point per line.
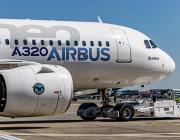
x=99, y=20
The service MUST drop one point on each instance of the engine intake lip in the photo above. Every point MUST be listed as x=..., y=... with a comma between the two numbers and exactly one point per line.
x=3, y=94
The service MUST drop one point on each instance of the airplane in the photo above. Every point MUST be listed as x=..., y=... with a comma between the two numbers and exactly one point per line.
x=43, y=62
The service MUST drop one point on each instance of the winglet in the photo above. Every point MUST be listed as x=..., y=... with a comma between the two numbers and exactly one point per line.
x=99, y=20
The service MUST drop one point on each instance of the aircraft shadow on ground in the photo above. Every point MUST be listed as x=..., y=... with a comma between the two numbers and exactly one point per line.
x=141, y=119
x=75, y=121
x=39, y=121
x=20, y=127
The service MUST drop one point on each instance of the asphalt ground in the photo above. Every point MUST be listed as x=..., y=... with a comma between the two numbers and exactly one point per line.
x=69, y=126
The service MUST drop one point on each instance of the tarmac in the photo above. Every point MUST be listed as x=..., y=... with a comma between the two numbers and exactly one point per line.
x=69, y=126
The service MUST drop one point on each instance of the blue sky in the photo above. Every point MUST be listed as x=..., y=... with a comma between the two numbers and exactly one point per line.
x=159, y=19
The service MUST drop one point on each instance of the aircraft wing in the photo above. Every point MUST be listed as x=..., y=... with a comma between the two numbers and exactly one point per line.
x=12, y=63
x=85, y=92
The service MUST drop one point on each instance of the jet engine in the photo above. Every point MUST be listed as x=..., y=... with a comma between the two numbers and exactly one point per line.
x=35, y=90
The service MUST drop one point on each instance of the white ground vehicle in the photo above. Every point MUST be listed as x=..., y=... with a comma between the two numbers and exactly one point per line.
x=162, y=103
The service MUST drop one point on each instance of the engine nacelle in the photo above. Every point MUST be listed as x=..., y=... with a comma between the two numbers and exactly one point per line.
x=35, y=90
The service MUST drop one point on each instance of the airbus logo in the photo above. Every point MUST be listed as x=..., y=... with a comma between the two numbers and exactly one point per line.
x=65, y=54
x=153, y=58
x=38, y=88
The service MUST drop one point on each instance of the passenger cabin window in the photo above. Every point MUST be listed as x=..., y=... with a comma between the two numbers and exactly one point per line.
x=7, y=42
x=76, y=43
x=92, y=43
x=107, y=43
x=59, y=42
x=42, y=42
x=146, y=42
x=34, y=42
x=84, y=43
x=50, y=42
x=99, y=43
x=16, y=42
x=25, y=42
x=152, y=44
x=67, y=42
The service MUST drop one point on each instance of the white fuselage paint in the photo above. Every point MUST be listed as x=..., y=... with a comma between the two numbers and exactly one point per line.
x=130, y=63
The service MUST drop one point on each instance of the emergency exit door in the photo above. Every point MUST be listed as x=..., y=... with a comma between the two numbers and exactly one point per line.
x=123, y=46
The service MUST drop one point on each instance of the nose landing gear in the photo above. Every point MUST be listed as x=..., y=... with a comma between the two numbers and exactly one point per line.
x=122, y=112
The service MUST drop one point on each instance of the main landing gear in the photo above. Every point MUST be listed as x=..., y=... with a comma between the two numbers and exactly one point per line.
x=121, y=111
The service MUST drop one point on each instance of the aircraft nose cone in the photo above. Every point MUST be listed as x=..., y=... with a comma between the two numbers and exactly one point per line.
x=170, y=65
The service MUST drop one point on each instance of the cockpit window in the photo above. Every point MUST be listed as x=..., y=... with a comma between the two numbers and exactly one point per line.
x=152, y=44
x=146, y=42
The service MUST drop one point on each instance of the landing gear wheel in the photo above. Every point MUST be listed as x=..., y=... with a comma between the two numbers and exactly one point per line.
x=126, y=112
x=86, y=108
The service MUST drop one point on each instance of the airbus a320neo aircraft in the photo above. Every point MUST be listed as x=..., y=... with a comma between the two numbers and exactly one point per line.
x=43, y=62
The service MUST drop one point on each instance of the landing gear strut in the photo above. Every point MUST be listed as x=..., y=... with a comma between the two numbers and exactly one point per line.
x=105, y=96
x=121, y=111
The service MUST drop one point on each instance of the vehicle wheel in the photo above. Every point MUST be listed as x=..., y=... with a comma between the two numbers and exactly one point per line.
x=126, y=112
x=84, y=107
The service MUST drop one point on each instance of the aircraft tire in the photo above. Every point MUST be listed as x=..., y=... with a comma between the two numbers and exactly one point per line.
x=126, y=112
x=84, y=107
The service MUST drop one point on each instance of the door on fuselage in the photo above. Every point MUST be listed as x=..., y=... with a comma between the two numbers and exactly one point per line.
x=123, y=46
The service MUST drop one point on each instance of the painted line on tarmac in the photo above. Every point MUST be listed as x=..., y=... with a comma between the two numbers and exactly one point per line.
x=8, y=137
x=155, y=135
